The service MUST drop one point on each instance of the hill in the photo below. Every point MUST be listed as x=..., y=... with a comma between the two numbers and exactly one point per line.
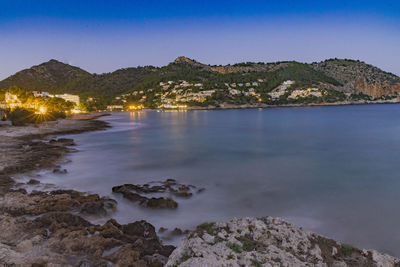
x=186, y=81
x=53, y=76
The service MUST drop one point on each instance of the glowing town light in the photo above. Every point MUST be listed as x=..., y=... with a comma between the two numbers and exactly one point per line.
x=42, y=110
x=136, y=107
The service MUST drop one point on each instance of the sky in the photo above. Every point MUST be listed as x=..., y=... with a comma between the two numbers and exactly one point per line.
x=102, y=36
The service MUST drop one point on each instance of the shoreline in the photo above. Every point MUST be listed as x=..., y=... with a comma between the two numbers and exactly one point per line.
x=52, y=224
x=266, y=106
x=44, y=228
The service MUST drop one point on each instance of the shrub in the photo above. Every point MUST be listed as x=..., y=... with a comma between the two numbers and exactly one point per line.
x=21, y=116
x=346, y=249
x=235, y=247
x=54, y=115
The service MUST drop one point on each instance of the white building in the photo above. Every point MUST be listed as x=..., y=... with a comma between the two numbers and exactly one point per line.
x=40, y=94
x=10, y=98
x=234, y=92
x=115, y=107
x=72, y=98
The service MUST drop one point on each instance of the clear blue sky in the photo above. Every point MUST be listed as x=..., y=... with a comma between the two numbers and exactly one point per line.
x=102, y=36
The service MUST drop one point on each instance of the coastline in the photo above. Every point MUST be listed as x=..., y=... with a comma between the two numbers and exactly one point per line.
x=44, y=228
x=344, y=103
x=51, y=228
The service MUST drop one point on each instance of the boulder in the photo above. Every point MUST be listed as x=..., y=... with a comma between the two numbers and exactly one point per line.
x=60, y=171
x=33, y=181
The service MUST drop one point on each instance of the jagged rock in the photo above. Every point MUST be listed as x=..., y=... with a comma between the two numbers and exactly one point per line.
x=162, y=230
x=33, y=181
x=169, y=187
x=6, y=182
x=36, y=203
x=62, y=142
x=268, y=242
x=160, y=203
x=177, y=232
x=64, y=239
x=104, y=207
x=60, y=171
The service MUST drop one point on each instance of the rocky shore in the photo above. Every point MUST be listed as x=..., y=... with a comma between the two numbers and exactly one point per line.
x=53, y=228
x=268, y=242
x=261, y=105
x=49, y=228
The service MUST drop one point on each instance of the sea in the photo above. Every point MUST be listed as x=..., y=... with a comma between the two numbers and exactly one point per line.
x=333, y=170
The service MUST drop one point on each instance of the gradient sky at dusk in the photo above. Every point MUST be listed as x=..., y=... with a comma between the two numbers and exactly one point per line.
x=102, y=36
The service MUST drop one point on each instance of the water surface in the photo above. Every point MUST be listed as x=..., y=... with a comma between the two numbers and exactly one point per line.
x=332, y=170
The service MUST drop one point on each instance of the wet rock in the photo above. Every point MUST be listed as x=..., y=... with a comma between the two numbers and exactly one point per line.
x=126, y=256
x=137, y=193
x=200, y=190
x=162, y=230
x=140, y=228
x=6, y=182
x=60, y=171
x=177, y=231
x=160, y=203
x=62, y=142
x=33, y=181
x=107, y=205
x=58, y=220
x=19, y=203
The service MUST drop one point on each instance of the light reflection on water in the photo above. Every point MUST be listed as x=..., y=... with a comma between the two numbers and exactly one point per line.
x=332, y=170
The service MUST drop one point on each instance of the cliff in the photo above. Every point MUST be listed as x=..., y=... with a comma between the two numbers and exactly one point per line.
x=357, y=76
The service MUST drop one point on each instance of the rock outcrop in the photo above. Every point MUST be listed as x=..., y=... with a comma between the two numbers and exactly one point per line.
x=268, y=242
x=65, y=239
x=170, y=187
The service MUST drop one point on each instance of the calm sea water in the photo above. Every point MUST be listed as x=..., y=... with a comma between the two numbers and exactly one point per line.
x=332, y=170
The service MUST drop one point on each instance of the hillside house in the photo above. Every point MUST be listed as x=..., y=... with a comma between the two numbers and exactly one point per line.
x=12, y=101
x=72, y=98
x=115, y=107
x=40, y=94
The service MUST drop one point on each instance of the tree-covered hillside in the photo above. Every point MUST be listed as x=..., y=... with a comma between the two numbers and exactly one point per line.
x=231, y=83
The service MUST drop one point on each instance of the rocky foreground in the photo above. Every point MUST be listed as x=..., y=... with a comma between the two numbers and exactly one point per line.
x=268, y=242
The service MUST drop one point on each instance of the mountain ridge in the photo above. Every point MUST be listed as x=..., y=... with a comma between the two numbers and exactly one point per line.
x=341, y=75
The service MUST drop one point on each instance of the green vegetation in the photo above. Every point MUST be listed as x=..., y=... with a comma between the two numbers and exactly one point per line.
x=346, y=249
x=235, y=247
x=21, y=116
x=248, y=245
x=360, y=96
x=256, y=263
x=231, y=257
x=184, y=258
x=206, y=227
